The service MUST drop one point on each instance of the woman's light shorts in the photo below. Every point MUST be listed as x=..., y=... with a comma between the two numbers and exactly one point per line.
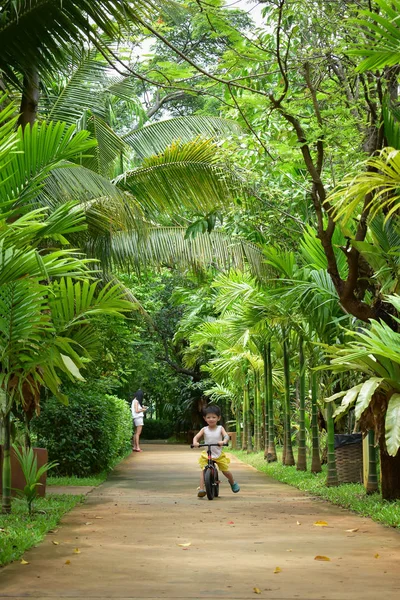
x=222, y=461
x=138, y=421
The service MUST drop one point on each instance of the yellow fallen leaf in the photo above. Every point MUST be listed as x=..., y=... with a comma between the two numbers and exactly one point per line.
x=55, y=543
x=278, y=570
x=321, y=523
x=298, y=523
x=352, y=530
x=24, y=562
x=185, y=545
x=318, y=557
x=67, y=562
x=98, y=517
x=376, y=556
x=77, y=551
x=88, y=523
x=290, y=550
x=257, y=590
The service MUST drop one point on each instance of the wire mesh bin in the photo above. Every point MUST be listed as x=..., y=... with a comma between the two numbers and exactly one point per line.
x=349, y=457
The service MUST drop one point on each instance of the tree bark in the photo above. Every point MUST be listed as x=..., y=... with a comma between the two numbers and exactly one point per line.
x=316, y=458
x=302, y=454
x=6, y=474
x=390, y=473
x=30, y=98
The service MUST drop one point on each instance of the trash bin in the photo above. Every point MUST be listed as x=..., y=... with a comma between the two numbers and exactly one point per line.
x=349, y=457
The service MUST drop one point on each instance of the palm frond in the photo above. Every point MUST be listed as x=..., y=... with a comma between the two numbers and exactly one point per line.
x=153, y=139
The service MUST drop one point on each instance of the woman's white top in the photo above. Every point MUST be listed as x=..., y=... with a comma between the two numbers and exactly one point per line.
x=213, y=436
x=134, y=406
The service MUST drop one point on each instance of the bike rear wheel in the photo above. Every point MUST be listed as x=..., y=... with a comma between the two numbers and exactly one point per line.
x=216, y=482
x=209, y=483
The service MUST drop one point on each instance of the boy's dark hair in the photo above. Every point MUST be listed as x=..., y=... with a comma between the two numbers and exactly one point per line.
x=212, y=409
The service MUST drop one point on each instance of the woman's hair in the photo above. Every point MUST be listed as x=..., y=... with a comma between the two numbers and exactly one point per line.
x=212, y=409
x=139, y=397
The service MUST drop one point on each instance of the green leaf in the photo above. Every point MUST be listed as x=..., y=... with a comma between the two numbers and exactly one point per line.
x=365, y=395
x=392, y=425
x=72, y=368
x=348, y=400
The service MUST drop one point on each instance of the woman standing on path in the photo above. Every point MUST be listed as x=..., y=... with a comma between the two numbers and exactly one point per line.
x=138, y=411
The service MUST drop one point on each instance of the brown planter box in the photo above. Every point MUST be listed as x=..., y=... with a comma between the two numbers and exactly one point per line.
x=17, y=478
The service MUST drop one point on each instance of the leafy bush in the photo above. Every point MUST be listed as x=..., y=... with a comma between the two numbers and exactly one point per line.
x=157, y=429
x=88, y=435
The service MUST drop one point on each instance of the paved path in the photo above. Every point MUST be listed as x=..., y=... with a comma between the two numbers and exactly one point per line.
x=129, y=532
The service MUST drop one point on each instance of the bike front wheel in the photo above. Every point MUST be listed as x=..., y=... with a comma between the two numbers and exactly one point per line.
x=216, y=483
x=209, y=483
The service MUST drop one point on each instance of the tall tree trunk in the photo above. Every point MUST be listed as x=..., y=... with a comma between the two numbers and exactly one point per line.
x=288, y=448
x=6, y=474
x=249, y=445
x=30, y=98
x=257, y=412
x=238, y=421
x=302, y=453
x=332, y=479
x=265, y=405
x=372, y=483
x=390, y=473
x=271, y=456
x=245, y=417
x=316, y=457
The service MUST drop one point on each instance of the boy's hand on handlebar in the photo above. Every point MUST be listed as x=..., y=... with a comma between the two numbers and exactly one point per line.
x=195, y=444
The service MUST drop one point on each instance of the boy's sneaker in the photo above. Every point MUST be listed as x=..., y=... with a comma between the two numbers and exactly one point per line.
x=201, y=493
x=235, y=487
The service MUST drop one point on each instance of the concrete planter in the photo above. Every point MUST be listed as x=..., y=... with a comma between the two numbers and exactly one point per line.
x=17, y=478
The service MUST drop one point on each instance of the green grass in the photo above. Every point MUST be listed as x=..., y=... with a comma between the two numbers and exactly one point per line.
x=349, y=495
x=73, y=480
x=19, y=532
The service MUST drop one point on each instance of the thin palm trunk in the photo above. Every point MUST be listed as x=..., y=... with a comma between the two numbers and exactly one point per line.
x=332, y=479
x=271, y=456
x=316, y=457
x=238, y=420
x=265, y=409
x=302, y=454
x=288, y=448
x=257, y=412
x=372, y=483
x=6, y=473
x=245, y=417
x=249, y=444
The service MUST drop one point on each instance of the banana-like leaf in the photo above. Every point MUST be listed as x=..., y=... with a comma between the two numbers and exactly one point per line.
x=153, y=139
x=392, y=425
x=365, y=395
x=348, y=400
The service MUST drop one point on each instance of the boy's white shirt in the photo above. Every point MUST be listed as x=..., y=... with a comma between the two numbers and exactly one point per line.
x=215, y=452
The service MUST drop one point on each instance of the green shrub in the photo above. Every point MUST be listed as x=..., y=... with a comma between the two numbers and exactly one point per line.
x=157, y=429
x=88, y=435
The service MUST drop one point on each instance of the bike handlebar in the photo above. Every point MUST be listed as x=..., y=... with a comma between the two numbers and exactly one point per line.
x=209, y=445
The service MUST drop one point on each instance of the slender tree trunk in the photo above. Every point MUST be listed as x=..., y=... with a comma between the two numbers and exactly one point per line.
x=249, y=445
x=265, y=405
x=271, y=456
x=238, y=420
x=30, y=98
x=245, y=417
x=390, y=473
x=6, y=474
x=257, y=413
x=372, y=483
x=302, y=453
x=288, y=451
x=332, y=479
x=316, y=457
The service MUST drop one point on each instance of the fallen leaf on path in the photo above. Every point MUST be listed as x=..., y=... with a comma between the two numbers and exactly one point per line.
x=257, y=590
x=231, y=522
x=376, y=556
x=318, y=557
x=24, y=562
x=290, y=550
x=52, y=531
x=278, y=570
x=55, y=543
x=352, y=530
x=321, y=523
x=185, y=545
x=98, y=517
x=77, y=551
x=298, y=523
x=88, y=523
x=67, y=562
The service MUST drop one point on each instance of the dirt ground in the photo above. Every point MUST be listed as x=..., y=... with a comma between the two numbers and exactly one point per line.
x=144, y=534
